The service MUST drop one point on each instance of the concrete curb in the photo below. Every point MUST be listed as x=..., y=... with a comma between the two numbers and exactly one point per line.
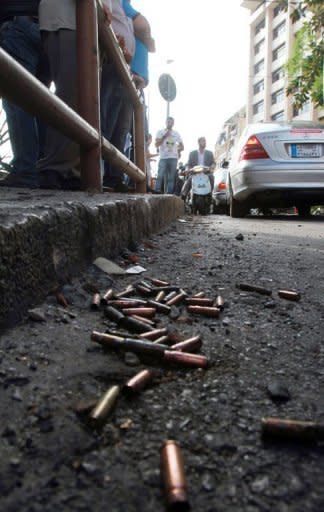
x=46, y=238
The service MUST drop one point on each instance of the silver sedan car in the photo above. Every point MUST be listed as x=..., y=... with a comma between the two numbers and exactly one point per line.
x=277, y=165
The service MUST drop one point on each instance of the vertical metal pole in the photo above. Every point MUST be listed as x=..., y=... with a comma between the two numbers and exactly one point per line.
x=168, y=103
x=139, y=145
x=88, y=82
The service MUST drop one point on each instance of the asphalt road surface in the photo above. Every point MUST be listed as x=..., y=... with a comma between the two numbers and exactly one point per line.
x=265, y=358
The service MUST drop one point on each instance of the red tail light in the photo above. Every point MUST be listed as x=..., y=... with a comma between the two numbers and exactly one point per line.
x=253, y=149
x=221, y=186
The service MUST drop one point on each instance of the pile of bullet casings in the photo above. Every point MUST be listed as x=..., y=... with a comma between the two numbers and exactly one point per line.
x=133, y=311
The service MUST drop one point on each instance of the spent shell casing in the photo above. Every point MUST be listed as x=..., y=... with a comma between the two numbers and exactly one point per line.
x=175, y=336
x=160, y=296
x=155, y=334
x=160, y=308
x=133, y=325
x=277, y=428
x=166, y=289
x=104, y=406
x=96, y=301
x=189, y=345
x=113, y=314
x=185, y=359
x=199, y=295
x=177, y=299
x=143, y=290
x=147, y=312
x=127, y=303
x=253, y=288
x=144, y=319
x=107, y=296
x=138, y=382
x=204, y=310
x=130, y=290
x=144, y=347
x=219, y=302
x=145, y=283
x=170, y=296
x=173, y=476
x=289, y=295
x=106, y=340
x=199, y=301
x=163, y=339
x=158, y=282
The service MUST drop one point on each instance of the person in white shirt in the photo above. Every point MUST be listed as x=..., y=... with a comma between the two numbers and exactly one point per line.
x=170, y=145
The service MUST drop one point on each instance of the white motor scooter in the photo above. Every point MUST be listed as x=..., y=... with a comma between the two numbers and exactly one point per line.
x=198, y=188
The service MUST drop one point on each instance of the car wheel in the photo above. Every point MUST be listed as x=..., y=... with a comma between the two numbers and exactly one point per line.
x=237, y=209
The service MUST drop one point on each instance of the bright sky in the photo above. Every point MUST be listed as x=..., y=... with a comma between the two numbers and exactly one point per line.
x=208, y=41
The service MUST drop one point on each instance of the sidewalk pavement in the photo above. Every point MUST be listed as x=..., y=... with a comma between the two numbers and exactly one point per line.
x=47, y=237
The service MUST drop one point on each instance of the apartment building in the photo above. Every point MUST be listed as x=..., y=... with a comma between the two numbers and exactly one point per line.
x=271, y=44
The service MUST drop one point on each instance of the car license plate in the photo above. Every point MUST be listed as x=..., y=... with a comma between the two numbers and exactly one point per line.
x=305, y=150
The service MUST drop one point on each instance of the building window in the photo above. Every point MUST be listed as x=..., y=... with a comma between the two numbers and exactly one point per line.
x=277, y=75
x=260, y=26
x=279, y=29
x=306, y=108
x=259, y=66
x=258, y=107
x=258, y=87
x=277, y=97
x=279, y=52
x=278, y=116
x=277, y=10
x=258, y=47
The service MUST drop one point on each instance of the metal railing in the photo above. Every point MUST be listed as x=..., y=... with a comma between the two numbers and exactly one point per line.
x=20, y=87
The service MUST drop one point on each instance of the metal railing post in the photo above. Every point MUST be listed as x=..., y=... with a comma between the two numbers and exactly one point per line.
x=88, y=89
x=139, y=145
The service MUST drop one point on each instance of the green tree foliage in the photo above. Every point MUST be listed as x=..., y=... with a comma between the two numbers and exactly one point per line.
x=305, y=67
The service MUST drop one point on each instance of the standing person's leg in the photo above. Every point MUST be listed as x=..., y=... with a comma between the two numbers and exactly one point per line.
x=160, y=180
x=21, y=39
x=58, y=168
x=171, y=175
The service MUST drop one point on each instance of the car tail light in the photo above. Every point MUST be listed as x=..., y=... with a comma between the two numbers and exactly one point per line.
x=253, y=149
x=221, y=186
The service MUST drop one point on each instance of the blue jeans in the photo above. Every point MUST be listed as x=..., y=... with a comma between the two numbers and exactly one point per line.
x=167, y=174
x=21, y=39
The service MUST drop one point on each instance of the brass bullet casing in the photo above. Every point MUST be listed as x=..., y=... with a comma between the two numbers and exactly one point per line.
x=166, y=289
x=190, y=345
x=158, y=282
x=160, y=296
x=107, y=296
x=277, y=428
x=177, y=299
x=170, y=296
x=155, y=334
x=199, y=301
x=144, y=319
x=130, y=290
x=198, y=295
x=138, y=382
x=143, y=290
x=163, y=340
x=144, y=347
x=113, y=314
x=104, y=406
x=185, y=359
x=106, y=340
x=252, y=288
x=160, y=308
x=127, y=303
x=219, y=302
x=131, y=324
x=96, y=301
x=148, y=312
x=173, y=476
x=204, y=310
x=289, y=295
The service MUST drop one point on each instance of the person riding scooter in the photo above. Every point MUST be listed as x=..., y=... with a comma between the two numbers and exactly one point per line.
x=199, y=186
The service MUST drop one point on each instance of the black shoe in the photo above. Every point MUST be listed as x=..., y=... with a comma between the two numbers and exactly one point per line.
x=17, y=181
x=50, y=180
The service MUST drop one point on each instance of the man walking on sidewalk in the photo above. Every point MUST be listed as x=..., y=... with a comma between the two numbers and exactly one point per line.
x=170, y=145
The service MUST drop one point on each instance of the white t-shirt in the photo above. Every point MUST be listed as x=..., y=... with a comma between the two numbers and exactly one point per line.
x=57, y=14
x=201, y=157
x=169, y=147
